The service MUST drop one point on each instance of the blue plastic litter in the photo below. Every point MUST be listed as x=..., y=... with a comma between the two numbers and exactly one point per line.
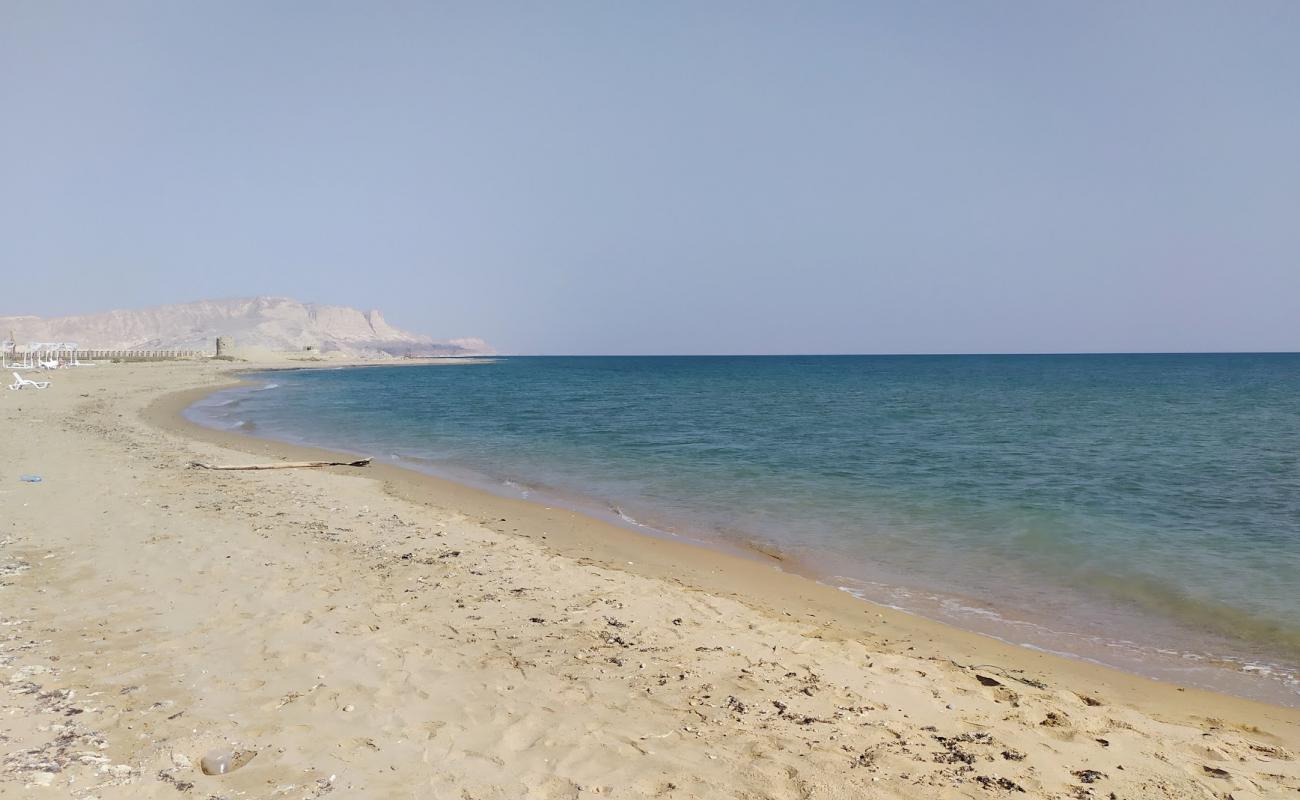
x=30, y=478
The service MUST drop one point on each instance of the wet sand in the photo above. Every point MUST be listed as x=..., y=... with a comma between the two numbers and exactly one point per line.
x=376, y=632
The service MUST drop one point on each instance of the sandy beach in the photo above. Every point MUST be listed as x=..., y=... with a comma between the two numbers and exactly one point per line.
x=373, y=632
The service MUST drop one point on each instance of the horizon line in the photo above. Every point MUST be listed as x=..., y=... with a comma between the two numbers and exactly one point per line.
x=900, y=355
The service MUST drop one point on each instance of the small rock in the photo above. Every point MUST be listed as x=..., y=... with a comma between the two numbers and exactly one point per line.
x=996, y=782
x=1088, y=775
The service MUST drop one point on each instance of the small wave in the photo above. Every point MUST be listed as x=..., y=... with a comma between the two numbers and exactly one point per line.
x=1198, y=668
x=524, y=491
x=625, y=516
x=244, y=425
x=1050, y=651
x=957, y=608
x=267, y=387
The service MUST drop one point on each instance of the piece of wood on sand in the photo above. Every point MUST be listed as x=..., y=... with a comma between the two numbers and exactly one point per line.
x=361, y=462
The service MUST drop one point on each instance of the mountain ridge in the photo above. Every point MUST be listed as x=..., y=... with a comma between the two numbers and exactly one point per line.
x=273, y=323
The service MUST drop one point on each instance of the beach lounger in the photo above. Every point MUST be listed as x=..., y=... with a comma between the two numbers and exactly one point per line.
x=21, y=382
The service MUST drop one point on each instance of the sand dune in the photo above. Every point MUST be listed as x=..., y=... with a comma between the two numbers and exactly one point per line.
x=403, y=637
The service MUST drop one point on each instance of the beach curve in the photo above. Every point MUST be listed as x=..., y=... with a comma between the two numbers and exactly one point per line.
x=432, y=638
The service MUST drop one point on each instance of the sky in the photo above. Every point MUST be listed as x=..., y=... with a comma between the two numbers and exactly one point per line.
x=669, y=177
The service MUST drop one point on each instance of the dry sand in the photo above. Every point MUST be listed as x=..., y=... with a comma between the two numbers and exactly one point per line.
x=375, y=633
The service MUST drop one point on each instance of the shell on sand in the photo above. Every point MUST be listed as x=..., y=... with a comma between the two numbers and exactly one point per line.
x=219, y=762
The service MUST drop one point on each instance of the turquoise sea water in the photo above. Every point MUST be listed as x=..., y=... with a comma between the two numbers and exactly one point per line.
x=1140, y=510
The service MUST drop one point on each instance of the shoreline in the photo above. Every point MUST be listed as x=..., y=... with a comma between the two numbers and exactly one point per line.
x=377, y=632
x=744, y=574
x=1221, y=671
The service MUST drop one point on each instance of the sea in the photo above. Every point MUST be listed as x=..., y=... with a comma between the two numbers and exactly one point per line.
x=1141, y=511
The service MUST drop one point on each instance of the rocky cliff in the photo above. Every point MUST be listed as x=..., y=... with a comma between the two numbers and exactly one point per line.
x=272, y=323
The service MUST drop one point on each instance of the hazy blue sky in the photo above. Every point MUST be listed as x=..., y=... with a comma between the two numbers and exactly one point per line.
x=669, y=176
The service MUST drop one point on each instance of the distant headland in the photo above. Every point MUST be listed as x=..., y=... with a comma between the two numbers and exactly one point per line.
x=265, y=323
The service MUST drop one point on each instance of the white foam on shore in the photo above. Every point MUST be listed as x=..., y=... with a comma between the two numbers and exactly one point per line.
x=625, y=517
x=1156, y=662
x=523, y=491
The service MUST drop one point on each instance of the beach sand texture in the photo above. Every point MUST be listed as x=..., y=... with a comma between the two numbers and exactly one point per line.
x=373, y=633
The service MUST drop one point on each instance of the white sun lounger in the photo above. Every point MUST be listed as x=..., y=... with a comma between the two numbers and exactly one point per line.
x=21, y=382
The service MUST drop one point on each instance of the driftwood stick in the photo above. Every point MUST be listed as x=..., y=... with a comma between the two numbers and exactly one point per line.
x=283, y=464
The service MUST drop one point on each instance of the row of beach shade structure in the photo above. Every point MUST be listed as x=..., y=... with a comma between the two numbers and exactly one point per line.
x=56, y=355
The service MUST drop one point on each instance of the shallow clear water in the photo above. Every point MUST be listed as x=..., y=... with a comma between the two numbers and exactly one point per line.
x=1140, y=510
